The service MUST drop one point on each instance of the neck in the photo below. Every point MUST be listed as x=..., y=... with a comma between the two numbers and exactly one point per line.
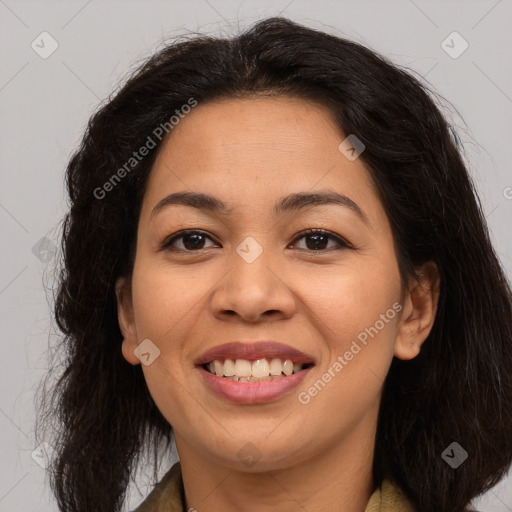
x=340, y=474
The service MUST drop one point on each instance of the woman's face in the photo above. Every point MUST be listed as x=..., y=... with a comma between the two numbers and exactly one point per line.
x=250, y=274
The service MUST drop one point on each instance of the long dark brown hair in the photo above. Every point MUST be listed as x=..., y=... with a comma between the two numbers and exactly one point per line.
x=459, y=388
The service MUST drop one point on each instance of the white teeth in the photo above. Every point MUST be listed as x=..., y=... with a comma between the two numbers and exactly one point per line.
x=288, y=367
x=276, y=367
x=252, y=379
x=229, y=368
x=219, y=368
x=244, y=370
x=260, y=368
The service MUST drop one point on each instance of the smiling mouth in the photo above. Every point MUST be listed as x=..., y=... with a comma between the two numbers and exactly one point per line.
x=258, y=370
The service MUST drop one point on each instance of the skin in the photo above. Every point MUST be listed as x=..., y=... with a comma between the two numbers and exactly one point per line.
x=249, y=153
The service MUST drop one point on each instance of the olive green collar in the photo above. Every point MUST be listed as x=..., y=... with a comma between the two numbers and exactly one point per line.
x=169, y=496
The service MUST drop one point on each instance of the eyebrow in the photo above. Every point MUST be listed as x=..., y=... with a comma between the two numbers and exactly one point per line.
x=293, y=202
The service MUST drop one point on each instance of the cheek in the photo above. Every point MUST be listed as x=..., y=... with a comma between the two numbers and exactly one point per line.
x=164, y=300
x=359, y=321
x=164, y=312
x=357, y=353
x=352, y=299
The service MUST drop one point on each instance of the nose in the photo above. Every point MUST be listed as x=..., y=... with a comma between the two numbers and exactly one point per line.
x=253, y=291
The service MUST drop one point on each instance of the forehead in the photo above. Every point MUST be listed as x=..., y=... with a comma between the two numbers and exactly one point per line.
x=265, y=124
x=256, y=149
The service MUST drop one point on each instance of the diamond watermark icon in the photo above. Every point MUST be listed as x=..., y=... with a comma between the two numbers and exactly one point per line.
x=44, y=45
x=146, y=352
x=249, y=454
x=249, y=249
x=44, y=250
x=351, y=147
x=454, y=45
x=43, y=455
x=454, y=455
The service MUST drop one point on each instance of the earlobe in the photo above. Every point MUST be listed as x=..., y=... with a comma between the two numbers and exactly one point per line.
x=126, y=320
x=419, y=312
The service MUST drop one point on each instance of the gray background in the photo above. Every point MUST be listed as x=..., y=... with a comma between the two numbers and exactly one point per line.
x=45, y=103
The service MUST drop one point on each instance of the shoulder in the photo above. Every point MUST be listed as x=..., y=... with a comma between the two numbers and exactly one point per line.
x=167, y=495
x=389, y=496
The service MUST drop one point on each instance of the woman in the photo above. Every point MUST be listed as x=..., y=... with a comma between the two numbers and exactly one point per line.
x=275, y=255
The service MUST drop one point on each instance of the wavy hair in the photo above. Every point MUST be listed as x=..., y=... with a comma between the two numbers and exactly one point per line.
x=458, y=389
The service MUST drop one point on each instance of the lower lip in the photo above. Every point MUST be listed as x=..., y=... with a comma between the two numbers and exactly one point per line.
x=252, y=392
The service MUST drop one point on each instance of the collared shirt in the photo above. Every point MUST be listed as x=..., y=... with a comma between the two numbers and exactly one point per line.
x=169, y=496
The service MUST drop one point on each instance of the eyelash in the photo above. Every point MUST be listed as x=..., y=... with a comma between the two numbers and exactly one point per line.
x=167, y=244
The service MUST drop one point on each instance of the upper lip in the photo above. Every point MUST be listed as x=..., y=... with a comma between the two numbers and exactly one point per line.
x=252, y=351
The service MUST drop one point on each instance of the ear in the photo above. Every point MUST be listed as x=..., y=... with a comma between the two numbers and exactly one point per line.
x=126, y=320
x=419, y=311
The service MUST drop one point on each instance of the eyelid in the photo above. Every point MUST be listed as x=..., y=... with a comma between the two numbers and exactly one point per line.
x=342, y=242
x=319, y=231
x=179, y=234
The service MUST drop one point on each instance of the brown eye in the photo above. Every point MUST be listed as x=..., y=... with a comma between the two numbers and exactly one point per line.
x=190, y=240
x=318, y=240
x=193, y=241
